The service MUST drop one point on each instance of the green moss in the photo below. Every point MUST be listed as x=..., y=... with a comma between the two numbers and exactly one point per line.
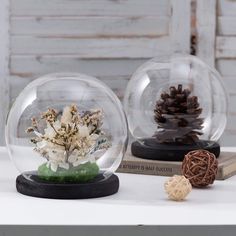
x=80, y=174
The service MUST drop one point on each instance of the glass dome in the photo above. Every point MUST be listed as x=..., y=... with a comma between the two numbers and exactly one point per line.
x=176, y=99
x=66, y=128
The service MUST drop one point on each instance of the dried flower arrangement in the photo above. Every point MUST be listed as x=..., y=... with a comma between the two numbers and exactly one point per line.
x=177, y=115
x=69, y=143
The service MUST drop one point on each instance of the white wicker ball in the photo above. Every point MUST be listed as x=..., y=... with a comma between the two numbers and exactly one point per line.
x=177, y=187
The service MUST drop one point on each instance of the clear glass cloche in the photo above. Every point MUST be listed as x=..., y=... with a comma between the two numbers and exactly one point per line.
x=176, y=100
x=66, y=128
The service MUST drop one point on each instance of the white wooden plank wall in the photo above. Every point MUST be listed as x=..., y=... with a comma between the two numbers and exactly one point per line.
x=216, y=45
x=180, y=27
x=206, y=27
x=225, y=60
x=4, y=69
x=105, y=38
x=111, y=38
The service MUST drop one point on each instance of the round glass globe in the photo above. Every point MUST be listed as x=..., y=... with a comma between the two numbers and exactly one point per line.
x=154, y=94
x=66, y=128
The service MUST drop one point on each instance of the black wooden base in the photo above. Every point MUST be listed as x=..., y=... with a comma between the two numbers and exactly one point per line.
x=150, y=149
x=31, y=185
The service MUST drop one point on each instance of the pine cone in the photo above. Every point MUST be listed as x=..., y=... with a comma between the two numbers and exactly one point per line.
x=177, y=115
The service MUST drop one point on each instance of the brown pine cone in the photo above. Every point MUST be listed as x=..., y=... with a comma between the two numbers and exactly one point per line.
x=177, y=115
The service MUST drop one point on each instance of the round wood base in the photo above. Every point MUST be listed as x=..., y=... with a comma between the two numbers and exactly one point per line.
x=31, y=185
x=150, y=149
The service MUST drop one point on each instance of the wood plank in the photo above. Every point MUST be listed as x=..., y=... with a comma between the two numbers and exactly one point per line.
x=117, y=84
x=90, y=47
x=225, y=47
x=90, y=26
x=232, y=104
x=4, y=71
x=230, y=86
x=228, y=138
x=226, y=7
x=34, y=66
x=231, y=120
x=17, y=84
x=206, y=27
x=90, y=8
x=226, y=26
x=227, y=67
x=230, y=83
x=231, y=132
x=86, y=26
x=180, y=29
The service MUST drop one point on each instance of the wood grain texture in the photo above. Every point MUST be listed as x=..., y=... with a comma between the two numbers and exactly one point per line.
x=114, y=72
x=226, y=8
x=232, y=110
x=230, y=85
x=226, y=61
x=111, y=38
x=227, y=67
x=34, y=66
x=206, y=27
x=228, y=138
x=180, y=29
x=90, y=7
x=225, y=47
x=4, y=71
x=146, y=26
x=117, y=84
x=90, y=47
x=226, y=26
x=231, y=122
x=92, y=37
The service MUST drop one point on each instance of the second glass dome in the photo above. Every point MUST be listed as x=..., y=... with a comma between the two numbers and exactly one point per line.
x=176, y=99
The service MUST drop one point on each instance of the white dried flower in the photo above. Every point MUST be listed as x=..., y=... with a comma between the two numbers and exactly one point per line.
x=83, y=131
x=70, y=140
x=66, y=116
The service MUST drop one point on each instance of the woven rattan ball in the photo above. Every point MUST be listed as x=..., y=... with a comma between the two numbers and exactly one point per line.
x=177, y=187
x=200, y=167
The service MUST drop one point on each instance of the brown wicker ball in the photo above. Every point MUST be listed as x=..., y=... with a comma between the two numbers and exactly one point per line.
x=200, y=167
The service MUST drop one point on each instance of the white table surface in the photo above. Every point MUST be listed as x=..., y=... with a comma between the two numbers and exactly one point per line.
x=141, y=200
